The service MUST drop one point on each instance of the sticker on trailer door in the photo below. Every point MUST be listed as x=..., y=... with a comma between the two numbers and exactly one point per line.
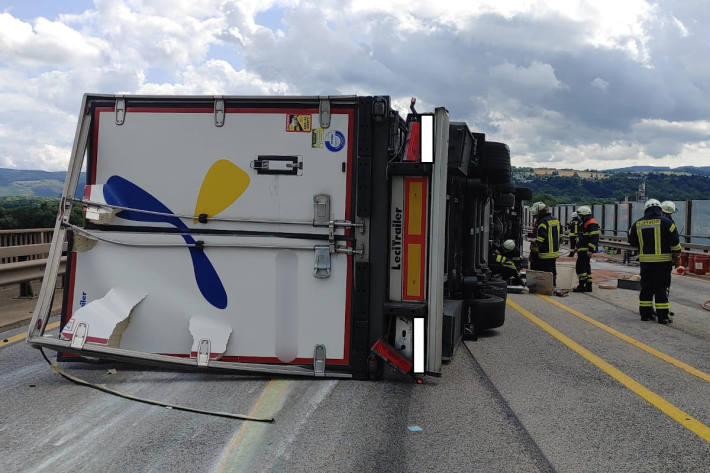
x=298, y=123
x=318, y=138
x=334, y=141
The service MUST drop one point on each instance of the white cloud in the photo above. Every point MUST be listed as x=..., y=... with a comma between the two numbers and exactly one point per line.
x=576, y=83
x=538, y=75
x=46, y=43
x=600, y=83
x=681, y=27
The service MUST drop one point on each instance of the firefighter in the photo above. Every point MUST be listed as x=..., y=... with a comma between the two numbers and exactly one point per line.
x=667, y=210
x=656, y=238
x=501, y=263
x=573, y=233
x=587, y=244
x=545, y=250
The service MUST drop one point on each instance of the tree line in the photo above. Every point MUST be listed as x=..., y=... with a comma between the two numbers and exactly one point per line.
x=33, y=212
x=617, y=187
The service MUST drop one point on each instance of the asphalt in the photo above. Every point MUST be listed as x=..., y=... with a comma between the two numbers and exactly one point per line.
x=516, y=400
x=16, y=311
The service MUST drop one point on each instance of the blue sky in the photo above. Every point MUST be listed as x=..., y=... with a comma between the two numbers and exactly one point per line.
x=584, y=84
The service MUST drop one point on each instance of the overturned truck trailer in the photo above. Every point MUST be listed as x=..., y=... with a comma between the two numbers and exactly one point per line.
x=290, y=235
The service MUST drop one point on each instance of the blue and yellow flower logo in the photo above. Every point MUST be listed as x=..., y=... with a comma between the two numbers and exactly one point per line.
x=223, y=184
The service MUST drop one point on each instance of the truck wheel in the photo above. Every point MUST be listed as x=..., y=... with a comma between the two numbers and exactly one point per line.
x=487, y=312
x=496, y=287
x=494, y=161
x=504, y=201
x=507, y=187
x=523, y=193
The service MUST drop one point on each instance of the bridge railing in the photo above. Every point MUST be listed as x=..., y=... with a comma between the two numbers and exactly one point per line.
x=692, y=218
x=23, y=255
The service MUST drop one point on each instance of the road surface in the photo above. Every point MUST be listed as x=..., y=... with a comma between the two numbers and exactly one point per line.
x=570, y=384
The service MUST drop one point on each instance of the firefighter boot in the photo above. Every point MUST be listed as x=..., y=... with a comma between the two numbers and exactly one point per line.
x=588, y=286
x=663, y=317
x=581, y=287
x=646, y=313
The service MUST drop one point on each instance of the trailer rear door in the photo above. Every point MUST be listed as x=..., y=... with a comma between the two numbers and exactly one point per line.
x=265, y=260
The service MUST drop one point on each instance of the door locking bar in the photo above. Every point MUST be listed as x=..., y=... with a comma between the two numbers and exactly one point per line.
x=201, y=244
x=205, y=218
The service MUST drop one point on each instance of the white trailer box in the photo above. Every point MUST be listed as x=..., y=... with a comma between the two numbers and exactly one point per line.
x=247, y=233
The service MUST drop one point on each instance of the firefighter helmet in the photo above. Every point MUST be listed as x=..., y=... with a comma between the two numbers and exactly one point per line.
x=668, y=206
x=584, y=211
x=509, y=245
x=652, y=203
x=574, y=214
x=537, y=207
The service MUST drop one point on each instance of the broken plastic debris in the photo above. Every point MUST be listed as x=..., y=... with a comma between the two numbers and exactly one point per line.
x=111, y=371
x=106, y=318
x=97, y=213
x=415, y=428
x=204, y=328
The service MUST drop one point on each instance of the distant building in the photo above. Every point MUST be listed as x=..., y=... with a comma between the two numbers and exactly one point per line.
x=539, y=172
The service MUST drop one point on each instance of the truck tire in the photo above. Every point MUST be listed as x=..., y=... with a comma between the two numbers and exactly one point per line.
x=507, y=187
x=488, y=312
x=496, y=287
x=505, y=201
x=494, y=161
x=483, y=313
x=523, y=193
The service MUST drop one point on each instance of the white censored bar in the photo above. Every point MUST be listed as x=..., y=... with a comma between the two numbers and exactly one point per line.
x=419, y=345
x=427, y=139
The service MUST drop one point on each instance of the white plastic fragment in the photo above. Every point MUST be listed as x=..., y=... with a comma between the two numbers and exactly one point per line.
x=204, y=328
x=96, y=213
x=107, y=318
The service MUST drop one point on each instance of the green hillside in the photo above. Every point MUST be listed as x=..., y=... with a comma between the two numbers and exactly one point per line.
x=31, y=183
x=575, y=190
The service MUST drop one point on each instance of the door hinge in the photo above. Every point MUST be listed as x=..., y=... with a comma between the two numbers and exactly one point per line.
x=321, y=264
x=203, y=352
x=319, y=361
x=218, y=111
x=321, y=209
x=81, y=333
x=120, y=110
x=324, y=112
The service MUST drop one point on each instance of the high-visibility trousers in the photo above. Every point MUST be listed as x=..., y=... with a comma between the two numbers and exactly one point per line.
x=583, y=267
x=653, y=289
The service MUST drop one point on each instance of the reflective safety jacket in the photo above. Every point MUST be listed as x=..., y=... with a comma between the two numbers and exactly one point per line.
x=503, y=261
x=655, y=236
x=548, y=237
x=589, y=240
x=573, y=233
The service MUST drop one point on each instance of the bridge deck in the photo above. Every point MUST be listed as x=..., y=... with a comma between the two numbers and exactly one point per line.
x=574, y=384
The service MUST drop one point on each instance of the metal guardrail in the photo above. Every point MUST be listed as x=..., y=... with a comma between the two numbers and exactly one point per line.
x=12, y=273
x=23, y=255
x=621, y=242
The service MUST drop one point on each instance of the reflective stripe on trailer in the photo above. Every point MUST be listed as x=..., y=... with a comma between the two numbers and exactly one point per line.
x=415, y=229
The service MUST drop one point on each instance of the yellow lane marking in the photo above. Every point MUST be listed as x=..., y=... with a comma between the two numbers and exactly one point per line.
x=265, y=403
x=683, y=418
x=22, y=336
x=659, y=354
